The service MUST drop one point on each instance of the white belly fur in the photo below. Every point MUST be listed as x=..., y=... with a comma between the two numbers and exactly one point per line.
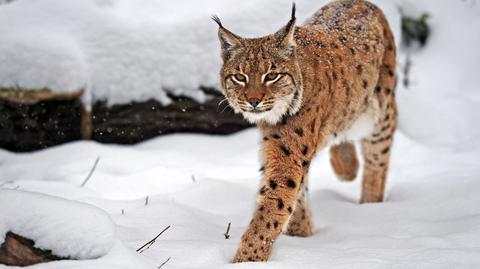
x=362, y=128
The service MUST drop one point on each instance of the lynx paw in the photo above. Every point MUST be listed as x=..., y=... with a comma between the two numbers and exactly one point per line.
x=371, y=198
x=253, y=249
x=299, y=229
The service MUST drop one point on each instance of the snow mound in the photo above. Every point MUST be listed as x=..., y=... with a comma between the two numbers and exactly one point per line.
x=28, y=65
x=68, y=228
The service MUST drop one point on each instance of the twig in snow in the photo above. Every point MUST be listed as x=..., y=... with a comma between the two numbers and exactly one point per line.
x=228, y=230
x=146, y=200
x=406, y=71
x=149, y=243
x=193, y=178
x=91, y=171
x=160, y=266
x=123, y=212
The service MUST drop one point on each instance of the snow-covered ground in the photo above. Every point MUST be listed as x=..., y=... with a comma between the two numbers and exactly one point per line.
x=199, y=183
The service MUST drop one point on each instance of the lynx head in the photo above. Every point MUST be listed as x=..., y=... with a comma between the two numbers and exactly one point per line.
x=261, y=77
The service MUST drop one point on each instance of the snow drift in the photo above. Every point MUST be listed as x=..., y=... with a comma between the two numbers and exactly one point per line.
x=68, y=228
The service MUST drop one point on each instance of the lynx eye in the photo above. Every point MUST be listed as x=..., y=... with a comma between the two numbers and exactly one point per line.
x=240, y=78
x=271, y=77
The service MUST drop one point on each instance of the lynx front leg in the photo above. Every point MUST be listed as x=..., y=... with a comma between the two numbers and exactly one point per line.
x=376, y=153
x=284, y=173
x=300, y=223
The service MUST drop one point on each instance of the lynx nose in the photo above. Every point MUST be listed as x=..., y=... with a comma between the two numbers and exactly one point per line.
x=254, y=102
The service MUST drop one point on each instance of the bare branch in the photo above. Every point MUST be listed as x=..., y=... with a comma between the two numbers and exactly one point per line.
x=406, y=71
x=91, y=172
x=149, y=243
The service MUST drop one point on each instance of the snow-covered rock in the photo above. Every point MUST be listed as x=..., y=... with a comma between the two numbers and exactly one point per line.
x=68, y=228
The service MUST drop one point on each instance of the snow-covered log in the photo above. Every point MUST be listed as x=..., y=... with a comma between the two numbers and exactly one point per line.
x=27, y=127
x=38, y=228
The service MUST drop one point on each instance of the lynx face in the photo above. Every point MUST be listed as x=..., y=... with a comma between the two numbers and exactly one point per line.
x=260, y=77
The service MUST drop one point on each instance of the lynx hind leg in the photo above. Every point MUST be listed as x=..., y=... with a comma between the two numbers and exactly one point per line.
x=376, y=152
x=300, y=223
x=376, y=148
x=343, y=158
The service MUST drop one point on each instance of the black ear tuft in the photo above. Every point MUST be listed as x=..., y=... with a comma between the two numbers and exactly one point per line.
x=286, y=35
x=216, y=19
x=293, y=12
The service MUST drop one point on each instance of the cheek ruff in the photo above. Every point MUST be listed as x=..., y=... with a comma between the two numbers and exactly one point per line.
x=287, y=105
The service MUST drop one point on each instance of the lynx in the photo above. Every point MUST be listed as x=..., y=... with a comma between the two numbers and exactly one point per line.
x=328, y=83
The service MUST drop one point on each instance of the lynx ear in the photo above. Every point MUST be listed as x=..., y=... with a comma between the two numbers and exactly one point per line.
x=286, y=35
x=228, y=40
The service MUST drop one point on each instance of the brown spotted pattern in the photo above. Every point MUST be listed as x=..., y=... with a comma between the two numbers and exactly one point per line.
x=345, y=55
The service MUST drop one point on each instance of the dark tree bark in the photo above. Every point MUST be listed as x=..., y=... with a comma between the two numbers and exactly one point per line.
x=26, y=127
x=29, y=127
x=136, y=122
x=20, y=251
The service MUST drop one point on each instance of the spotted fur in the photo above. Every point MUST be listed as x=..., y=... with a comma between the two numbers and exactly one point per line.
x=327, y=83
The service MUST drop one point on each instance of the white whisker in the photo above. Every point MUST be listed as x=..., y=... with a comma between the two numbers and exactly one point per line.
x=222, y=101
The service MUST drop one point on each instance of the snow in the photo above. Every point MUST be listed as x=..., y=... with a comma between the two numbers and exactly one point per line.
x=430, y=218
x=122, y=51
x=68, y=228
x=444, y=89
x=200, y=183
